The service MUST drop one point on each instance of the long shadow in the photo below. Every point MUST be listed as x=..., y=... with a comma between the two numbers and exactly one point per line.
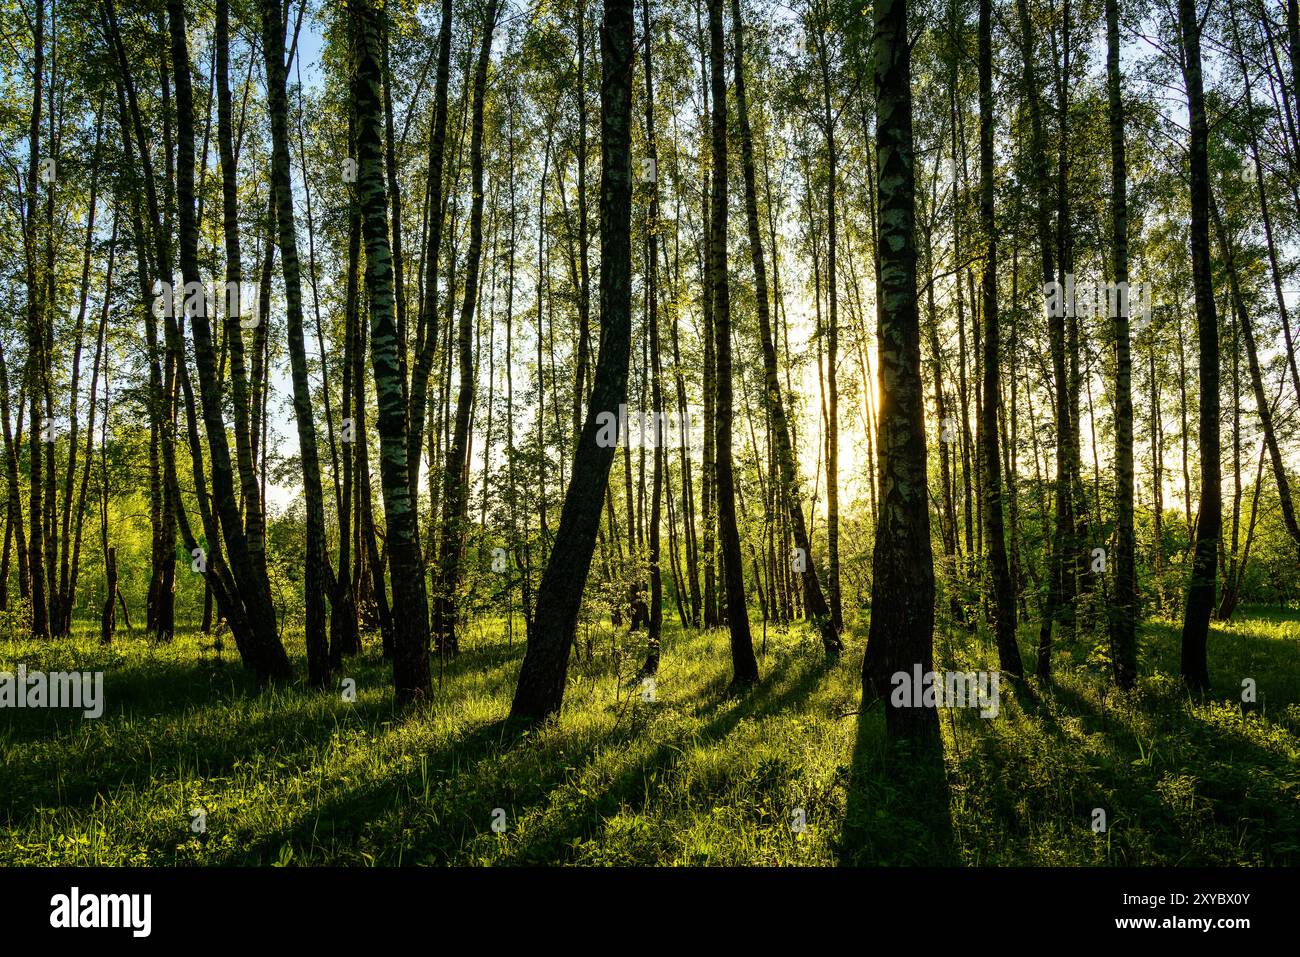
x=1190, y=776
x=126, y=761
x=629, y=788
x=152, y=690
x=155, y=688
x=159, y=692
x=163, y=690
x=898, y=809
x=1011, y=792
x=453, y=808
x=1008, y=791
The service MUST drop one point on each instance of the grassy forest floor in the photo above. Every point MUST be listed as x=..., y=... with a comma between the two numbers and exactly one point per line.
x=293, y=776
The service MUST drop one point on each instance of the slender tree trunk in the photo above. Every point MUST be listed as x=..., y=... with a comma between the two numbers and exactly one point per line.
x=240, y=585
x=101, y=361
x=317, y=574
x=426, y=338
x=455, y=496
x=540, y=691
x=1060, y=577
x=67, y=559
x=656, y=613
x=1004, y=599
x=36, y=345
x=744, y=666
x=405, y=561
x=1262, y=405
x=395, y=217
x=14, y=505
x=250, y=492
x=345, y=638
x=581, y=367
x=788, y=495
x=162, y=550
x=1194, y=665
x=1123, y=617
x=1157, y=480
x=708, y=481
x=832, y=346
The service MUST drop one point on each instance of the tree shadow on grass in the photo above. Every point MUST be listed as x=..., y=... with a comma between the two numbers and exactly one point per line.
x=1179, y=785
x=147, y=690
x=127, y=758
x=1193, y=778
x=220, y=705
x=631, y=789
x=504, y=765
x=898, y=810
x=442, y=804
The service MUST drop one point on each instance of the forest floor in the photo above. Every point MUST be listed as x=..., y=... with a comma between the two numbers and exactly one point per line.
x=696, y=776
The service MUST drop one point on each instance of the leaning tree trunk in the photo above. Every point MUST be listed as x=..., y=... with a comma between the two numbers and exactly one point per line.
x=72, y=538
x=1286, y=504
x=14, y=505
x=162, y=542
x=249, y=489
x=101, y=361
x=240, y=586
x=540, y=691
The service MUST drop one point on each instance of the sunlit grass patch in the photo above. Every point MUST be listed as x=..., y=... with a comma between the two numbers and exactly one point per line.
x=790, y=773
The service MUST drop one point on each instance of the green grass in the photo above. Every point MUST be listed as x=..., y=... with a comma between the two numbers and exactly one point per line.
x=292, y=776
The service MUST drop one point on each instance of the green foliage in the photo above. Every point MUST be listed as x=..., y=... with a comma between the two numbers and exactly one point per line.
x=15, y=618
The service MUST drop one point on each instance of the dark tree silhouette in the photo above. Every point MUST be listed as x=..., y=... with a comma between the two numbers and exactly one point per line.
x=540, y=691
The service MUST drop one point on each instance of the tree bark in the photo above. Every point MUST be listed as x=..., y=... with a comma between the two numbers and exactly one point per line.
x=744, y=665
x=1194, y=665
x=1004, y=599
x=1123, y=617
x=540, y=692
x=426, y=338
x=789, y=494
x=456, y=487
x=316, y=574
x=901, y=634
x=405, y=561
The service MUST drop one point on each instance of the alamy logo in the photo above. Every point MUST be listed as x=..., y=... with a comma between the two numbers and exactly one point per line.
x=1088, y=299
x=640, y=429
x=234, y=299
x=82, y=690
x=948, y=689
x=75, y=910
